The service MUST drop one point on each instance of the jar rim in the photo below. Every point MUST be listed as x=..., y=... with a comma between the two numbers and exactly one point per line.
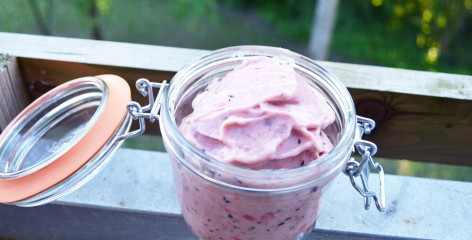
x=343, y=146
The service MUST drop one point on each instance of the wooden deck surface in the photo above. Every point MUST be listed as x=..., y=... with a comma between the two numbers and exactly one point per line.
x=421, y=116
x=134, y=198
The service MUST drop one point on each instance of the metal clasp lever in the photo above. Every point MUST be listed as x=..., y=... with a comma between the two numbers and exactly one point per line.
x=354, y=169
x=150, y=111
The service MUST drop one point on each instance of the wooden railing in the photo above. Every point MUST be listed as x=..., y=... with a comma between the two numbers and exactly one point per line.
x=422, y=116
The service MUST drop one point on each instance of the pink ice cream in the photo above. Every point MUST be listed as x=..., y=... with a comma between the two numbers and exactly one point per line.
x=261, y=115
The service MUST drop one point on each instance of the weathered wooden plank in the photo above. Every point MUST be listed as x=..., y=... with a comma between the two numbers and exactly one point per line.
x=13, y=95
x=172, y=59
x=78, y=221
x=42, y=75
x=414, y=127
x=97, y=52
x=421, y=115
x=396, y=80
x=69, y=221
x=135, y=196
x=409, y=126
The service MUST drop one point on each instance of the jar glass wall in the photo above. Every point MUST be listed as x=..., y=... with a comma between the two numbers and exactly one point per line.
x=222, y=201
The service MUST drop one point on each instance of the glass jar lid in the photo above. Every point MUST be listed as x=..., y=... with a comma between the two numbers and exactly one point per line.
x=59, y=133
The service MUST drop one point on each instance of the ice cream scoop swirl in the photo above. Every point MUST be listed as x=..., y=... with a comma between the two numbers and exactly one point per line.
x=261, y=115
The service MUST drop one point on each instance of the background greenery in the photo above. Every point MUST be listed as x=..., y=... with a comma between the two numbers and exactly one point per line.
x=418, y=34
x=433, y=35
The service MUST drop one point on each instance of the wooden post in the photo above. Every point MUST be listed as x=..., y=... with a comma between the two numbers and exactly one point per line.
x=324, y=20
x=13, y=94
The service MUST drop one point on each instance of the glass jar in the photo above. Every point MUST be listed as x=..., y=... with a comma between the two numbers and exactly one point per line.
x=222, y=201
x=67, y=136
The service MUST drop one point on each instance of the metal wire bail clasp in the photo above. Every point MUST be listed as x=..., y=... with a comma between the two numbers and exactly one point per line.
x=150, y=111
x=354, y=169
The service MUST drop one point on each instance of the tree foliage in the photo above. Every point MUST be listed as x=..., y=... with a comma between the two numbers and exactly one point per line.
x=291, y=17
x=193, y=11
x=418, y=34
x=438, y=24
x=92, y=8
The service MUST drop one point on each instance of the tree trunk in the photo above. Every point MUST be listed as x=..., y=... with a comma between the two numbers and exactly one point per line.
x=43, y=28
x=94, y=16
x=324, y=20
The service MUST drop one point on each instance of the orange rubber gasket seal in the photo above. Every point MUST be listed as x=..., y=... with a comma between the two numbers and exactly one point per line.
x=119, y=94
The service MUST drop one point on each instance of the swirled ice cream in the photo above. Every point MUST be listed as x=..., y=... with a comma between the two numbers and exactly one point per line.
x=261, y=115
